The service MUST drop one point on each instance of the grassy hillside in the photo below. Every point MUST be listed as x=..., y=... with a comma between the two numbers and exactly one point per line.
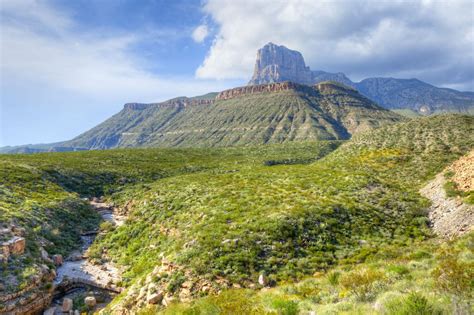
x=205, y=220
x=428, y=278
x=327, y=112
x=42, y=193
x=285, y=222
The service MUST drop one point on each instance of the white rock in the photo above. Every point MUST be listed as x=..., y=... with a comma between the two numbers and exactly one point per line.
x=67, y=305
x=90, y=301
x=154, y=298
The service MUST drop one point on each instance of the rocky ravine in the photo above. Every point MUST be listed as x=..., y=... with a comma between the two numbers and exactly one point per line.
x=77, y=269
x=450, y=217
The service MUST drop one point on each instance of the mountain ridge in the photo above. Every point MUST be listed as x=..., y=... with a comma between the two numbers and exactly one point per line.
x=278, y=63
x=248, y=115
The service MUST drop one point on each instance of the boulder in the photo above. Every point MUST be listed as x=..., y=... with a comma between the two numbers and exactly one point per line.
x=67, y=305
x=75, y=257
x=262, y=280
x=45, y=255
x=5, y=231
x=16, y=245
x=90, y=301
x=58, y=260
x=154, y=298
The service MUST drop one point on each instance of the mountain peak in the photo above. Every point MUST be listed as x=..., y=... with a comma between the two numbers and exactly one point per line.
x=277, y=63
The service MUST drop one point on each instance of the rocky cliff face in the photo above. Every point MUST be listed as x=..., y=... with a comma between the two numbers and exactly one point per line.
x=277, y=64
x=254, y=89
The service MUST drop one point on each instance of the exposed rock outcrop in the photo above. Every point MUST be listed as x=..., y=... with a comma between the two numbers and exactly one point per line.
x=135, y=106
x=31, y=299
x=463, y=172
x=14, y=246
x=262, y=88
x=449, y=217
x=327, y=87
x=176, y=102
x=278, y=63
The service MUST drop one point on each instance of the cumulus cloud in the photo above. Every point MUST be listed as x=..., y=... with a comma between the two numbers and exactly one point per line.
x=58, y=79
x=200, y=33
x=431, y=40
x=43, y=46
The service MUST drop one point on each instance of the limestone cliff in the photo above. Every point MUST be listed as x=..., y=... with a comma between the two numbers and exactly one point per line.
x=278, y=64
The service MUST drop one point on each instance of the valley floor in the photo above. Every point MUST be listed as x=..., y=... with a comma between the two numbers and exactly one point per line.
x=325, y=227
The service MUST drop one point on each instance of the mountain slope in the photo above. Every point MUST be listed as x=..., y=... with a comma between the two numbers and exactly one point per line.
x=203, y=220
x=415, y=95
x=273, y=113
x=277, y=63
x=284, y=221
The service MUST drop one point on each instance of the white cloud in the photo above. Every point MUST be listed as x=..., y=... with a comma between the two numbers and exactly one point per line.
x=200, y=33
x=42, y=46
x=432, y=40
x=58, y=80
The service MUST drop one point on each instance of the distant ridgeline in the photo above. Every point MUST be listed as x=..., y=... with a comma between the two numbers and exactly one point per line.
x=284, y=101
x=181, y=101
x=248, y=115
x=277, y=64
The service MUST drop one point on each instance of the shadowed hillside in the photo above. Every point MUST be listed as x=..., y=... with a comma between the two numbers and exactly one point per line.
x=274, y=113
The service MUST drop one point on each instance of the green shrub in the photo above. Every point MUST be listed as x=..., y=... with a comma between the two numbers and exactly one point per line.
x=419, y=254
x=454, y=276
x=307, y=289
x=233, y=302
x=361, y=282
x=400, y=270
x=285, y=307
x=333, y=278
x=106, y=226
x=413, y=304
x=175, y=281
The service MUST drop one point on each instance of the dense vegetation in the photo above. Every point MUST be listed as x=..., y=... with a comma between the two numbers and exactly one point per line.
x=42, y=193
x=225, y=216
x=288, y=221
x=424, y=279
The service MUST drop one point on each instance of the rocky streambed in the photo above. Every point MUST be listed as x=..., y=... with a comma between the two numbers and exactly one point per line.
x=79, y=283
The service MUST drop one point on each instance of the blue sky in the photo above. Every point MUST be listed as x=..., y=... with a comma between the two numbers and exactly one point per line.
x=68, y=65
